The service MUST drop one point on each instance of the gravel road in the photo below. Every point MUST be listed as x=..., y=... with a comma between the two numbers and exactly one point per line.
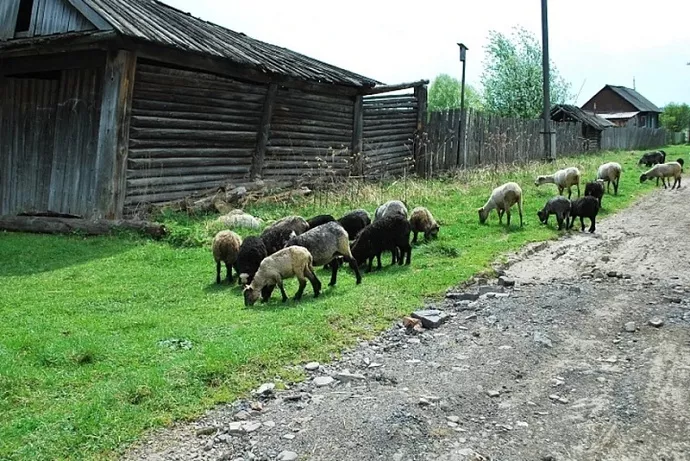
x=586, y=357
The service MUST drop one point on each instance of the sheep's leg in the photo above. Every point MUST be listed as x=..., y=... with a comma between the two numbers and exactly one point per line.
x=354, y=267
x=519, y=204
x=578, y=189
x=228, y=268
x=615, y=186
x=570, y=193
x=378, y=261
x=592, y=228
x=266, y=292
x=371, y=263
x=315, y=282
x=582, y=222
x=414, y=239
x=500, y=216
x=217, y=271
x=559, y=218
x=282, y=290
x=508, y=217
x=408, y=250
x=334, y=272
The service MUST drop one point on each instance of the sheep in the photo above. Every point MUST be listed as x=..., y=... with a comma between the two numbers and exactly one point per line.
x=666, y=170
x=422, y=220
x=319, y=220
x=390, y=208
x=563, y=179
x=277, y=234
x=652, y=158
x=249, y=258
x=326, y=243
x=610, y=173
x=595, y=189
x=502, y=199
x=559, y=206
x=354, y=221
x=387, y=234
x=293, y=261
x=225, y=247
x=238, y=218
x=584, y=207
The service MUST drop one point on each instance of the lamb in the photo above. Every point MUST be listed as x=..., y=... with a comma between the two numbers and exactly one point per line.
x=293, y=261
x=390, y=208
x=387, y=234
x=559, y=206
x=225, y=247
x=422, y=220
x=354, y=221
x=319, y=220
x=502, y=199
x=584, y=207
x=666, y=170
x=238, y=218
x=277, y=234
x=296, y=223
x=326, y=243
x=652, y=158
x=609, y=173
x=249, y=258
x=564, y=179
x=595, y=189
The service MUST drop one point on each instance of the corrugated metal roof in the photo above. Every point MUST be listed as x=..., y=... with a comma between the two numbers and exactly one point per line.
x=159, y=23
x=617, y=115
x=584, y=117
x=636, y=99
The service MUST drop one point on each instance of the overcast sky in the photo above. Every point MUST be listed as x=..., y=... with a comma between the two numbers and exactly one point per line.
x=592, y=42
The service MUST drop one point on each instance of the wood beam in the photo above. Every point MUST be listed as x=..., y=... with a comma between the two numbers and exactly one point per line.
x=89, y=13
x=388, y=88
x=264, y=132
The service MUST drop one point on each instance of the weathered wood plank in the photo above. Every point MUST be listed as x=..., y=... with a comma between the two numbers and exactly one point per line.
x=143, y=163
x=47, y=225
x=264, y=131
x=182, y=171
x=177, y=152
x=162, y=122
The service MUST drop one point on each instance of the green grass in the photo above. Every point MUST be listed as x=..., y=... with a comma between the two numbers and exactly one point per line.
x=83, y=372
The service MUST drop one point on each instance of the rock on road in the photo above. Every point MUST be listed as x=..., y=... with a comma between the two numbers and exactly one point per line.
x=587, y=357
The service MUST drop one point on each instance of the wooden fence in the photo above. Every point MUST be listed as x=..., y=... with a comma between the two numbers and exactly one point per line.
x=676, y=138
x=631, y=138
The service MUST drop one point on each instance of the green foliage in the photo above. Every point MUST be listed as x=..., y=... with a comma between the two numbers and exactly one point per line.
x=512, y=77
x=105, y=338
x=675, y=117
x=445, y=93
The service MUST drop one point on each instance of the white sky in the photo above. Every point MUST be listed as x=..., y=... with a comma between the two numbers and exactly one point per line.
x=593, y=42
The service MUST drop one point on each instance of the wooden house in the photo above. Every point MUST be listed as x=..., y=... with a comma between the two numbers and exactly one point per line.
x=592, y=125
x=108, y=104
x=623, y=107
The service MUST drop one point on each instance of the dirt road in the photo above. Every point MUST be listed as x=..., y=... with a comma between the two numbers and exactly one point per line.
x=564, y=366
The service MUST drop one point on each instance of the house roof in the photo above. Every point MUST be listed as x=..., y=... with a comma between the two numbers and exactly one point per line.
x=633, y=97
x=617, y=115
x=156, y=22
x=578, y=114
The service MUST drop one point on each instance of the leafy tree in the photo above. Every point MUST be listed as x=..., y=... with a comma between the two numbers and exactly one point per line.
x=512, y=76
x=445, y=92
x=675, y=117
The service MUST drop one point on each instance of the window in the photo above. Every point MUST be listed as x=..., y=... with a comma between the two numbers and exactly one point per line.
x=24, y=16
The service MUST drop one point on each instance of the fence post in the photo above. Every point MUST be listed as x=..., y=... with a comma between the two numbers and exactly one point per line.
x=264, y=131
x=420, y=94
x=357, y=137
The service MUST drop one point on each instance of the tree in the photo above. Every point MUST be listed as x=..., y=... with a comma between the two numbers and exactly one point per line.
x=445, y=92
x=675, y=117
x=512, y=77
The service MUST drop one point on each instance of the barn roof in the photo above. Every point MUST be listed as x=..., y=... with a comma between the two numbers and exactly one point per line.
x=156, y=22
x=580, y=115
x=636, y=99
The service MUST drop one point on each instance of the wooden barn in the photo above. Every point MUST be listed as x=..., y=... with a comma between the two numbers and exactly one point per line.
x=109, y=104
x=592, y=125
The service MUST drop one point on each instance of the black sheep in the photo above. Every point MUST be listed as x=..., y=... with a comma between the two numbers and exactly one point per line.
x=584, y=207
x=354, y=222
x=252, y=252
x=275, y=239
x=320, y=220
x=559, y=206
x=652, y=158
x=387, y=234
x=595, y=189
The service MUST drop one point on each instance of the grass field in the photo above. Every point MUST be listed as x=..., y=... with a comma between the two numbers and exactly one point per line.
x=85, y=371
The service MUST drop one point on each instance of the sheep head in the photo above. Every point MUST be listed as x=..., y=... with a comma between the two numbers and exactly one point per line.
x=483, y=214
x=251, y=295
x=543, y=180
x=643, y=178
x=542, y=216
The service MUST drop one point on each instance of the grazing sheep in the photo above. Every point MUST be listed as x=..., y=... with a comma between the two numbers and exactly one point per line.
x=563, y=179
x=422, y=220
x=354, y=221
x=610, y=173
x=293, y=261
x=584, y=207
x=226, y=245
x=387, y=234
x=238, y=218
x=249, y=258
x=277, y=234
x=319, y=220
x=326, y=243
x=390, y=208
x=595, y=189
x=666, y=170
x=559, y=206
x=652, y=158
x=502, y=199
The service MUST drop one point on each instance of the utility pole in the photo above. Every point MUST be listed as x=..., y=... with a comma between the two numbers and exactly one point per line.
x=548, y=152
x=462, y=146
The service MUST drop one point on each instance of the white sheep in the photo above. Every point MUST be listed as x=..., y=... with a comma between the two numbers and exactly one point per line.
x=293, y=261
x=502, y=199
x=238, y=218
x=665, y=170
x=225, y=247
x=564, y=179
x=610, y=173
x=390, y=208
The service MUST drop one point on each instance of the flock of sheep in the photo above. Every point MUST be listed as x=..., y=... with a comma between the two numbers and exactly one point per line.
x=293, y=246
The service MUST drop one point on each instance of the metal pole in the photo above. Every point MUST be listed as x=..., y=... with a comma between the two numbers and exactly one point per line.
x=461, y=140
x=547, y=79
